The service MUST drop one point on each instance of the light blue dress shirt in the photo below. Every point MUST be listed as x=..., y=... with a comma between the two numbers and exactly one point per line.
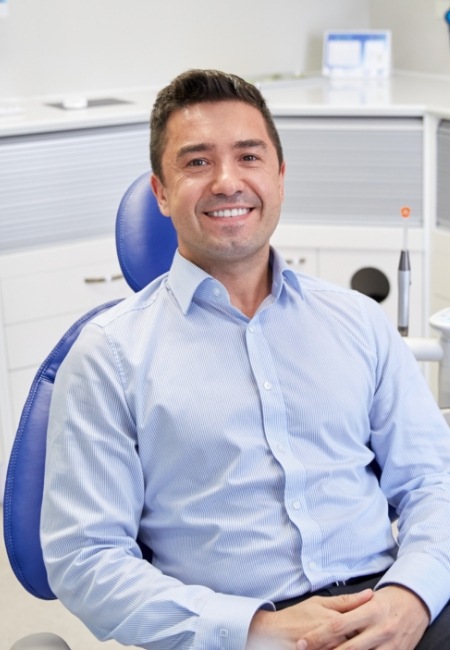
x=240, y=451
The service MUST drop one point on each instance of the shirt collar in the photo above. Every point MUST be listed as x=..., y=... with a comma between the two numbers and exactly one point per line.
x=185, y=278
x=282, y=272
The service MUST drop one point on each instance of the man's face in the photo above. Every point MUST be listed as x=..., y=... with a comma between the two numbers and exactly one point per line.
x=223, y=185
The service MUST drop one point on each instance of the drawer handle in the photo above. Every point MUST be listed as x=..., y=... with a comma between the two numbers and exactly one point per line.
x=104, y=279
x=299, y=261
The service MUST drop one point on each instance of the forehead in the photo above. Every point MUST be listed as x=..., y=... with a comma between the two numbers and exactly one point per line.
x=215, y=123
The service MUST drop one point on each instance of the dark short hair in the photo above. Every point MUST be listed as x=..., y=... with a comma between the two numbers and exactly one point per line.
x=196, y=86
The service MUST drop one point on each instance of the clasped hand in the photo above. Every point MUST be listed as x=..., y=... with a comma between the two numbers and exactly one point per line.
x=392, y=618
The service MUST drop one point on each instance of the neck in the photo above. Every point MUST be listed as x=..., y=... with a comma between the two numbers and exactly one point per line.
x=247, y=283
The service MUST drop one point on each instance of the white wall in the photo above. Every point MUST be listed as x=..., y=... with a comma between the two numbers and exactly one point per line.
x=420, y=37
x=59, y=46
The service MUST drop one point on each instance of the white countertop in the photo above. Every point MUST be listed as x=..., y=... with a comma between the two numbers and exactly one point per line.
x=402, y=94
x=38, y=116
x=399, y=95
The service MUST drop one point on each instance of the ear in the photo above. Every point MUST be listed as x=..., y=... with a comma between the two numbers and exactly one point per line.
x=282, y=174
x=160, y=193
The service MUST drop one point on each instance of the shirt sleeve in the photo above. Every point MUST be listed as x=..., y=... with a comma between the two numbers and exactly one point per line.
x=92, y=503
x=411, y=442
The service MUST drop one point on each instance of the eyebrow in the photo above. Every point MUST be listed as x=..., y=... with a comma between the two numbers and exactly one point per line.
x=250, y=144
x=204, y=146
x=193, y=148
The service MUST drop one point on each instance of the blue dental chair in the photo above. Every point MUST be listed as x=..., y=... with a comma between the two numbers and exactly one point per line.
x=146, y=242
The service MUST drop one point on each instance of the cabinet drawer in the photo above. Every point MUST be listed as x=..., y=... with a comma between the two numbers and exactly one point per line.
x=20, y=384
x=440, y=265
x=29, y=343
x=303, y=260
x=61, y=291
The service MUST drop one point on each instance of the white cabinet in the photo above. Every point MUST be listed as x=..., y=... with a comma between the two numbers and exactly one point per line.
x=347, y=179
x=440, y=271
x=43, y=292
x=59, y=196
x=352, y=171
x=65, y=186
x=303, y=260
x=374, y=273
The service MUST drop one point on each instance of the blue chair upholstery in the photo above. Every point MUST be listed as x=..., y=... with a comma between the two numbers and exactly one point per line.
x=146, y=242
x=25, y=476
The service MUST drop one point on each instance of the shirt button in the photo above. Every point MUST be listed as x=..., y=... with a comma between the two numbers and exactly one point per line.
x=267, y=385
x=280, y=448
x=251, y=329
x=312, y=565
x=296, y=505
x=216, y=291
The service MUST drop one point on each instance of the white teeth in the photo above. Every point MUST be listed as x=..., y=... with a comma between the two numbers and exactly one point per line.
x=235, y=212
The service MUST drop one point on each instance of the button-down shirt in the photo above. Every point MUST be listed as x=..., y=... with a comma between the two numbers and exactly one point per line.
x=241, y=451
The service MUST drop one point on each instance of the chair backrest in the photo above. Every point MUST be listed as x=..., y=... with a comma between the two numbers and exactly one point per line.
x=145, y=240
x=25, y=475
x=146, y=243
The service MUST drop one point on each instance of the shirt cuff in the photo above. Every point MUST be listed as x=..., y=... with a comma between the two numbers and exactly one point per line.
x=225, y=621
x=425, y=576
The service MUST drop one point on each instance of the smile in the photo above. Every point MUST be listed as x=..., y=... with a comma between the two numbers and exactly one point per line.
x=235, y=212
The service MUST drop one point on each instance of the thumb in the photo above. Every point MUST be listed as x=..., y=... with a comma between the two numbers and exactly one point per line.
x=347, y=602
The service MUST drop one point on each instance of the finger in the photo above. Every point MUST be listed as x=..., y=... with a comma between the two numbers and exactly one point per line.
x=337, y=631
x=348, y=602
x=322, y=639
x=303, y=644
x=321, y=642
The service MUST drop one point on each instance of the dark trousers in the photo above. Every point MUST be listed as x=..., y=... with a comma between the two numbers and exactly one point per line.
x=436, y=637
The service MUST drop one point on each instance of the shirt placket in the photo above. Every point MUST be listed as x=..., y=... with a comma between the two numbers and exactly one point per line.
x=274, y=419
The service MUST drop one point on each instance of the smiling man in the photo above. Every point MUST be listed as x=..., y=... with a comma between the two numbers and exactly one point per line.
x=255, y=427
x=221, y=181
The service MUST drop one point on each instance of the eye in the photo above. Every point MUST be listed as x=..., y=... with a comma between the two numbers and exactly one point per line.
x=250, y=157
x=197, y=162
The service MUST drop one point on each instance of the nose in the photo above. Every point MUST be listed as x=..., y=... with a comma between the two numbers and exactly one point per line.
x=227, y=179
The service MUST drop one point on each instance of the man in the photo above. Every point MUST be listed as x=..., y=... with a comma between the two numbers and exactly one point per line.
x=256, y=428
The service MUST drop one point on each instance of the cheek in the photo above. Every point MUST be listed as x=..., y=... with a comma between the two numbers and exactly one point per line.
x=185, y=190
x=273, y=193
x=182, y=205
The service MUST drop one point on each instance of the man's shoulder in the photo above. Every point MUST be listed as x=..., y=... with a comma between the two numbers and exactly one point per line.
x=326, y=295
x=312, y=283
x=133, y=307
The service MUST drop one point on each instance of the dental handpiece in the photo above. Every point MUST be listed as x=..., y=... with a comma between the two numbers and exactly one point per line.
x=404, y=280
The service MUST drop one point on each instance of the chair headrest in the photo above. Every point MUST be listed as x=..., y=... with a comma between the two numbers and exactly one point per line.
x=146, y=240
